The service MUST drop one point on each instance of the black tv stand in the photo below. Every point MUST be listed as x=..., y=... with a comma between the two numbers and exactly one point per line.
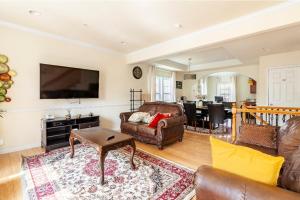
x=56, y=132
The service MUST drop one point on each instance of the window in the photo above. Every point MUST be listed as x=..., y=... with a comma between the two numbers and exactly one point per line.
x=226, y=88
x=225, y=91
x=163, y=88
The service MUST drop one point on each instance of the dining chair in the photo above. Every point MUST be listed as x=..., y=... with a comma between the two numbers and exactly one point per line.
x=228, y=105
x=216, y=113
x=193, y=118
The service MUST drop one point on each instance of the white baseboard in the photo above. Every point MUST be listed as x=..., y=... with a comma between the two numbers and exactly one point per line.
x=18, y=148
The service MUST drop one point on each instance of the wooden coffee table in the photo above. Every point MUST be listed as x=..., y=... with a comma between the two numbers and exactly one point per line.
x=98, y=138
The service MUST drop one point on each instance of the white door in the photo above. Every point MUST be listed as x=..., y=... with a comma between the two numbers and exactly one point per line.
x=284, y=87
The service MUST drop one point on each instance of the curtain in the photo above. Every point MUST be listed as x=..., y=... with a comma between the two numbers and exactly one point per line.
x=152, y=83
x=226, y=87
x=232, y=97
x=203, y=86
x=173, y=87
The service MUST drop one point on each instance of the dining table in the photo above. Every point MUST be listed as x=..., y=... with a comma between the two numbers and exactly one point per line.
x=205, y=108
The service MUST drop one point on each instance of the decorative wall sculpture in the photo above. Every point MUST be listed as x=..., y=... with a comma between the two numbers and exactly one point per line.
x=6, y=81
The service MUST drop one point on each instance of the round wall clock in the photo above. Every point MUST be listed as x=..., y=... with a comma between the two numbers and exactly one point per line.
x=137, y=72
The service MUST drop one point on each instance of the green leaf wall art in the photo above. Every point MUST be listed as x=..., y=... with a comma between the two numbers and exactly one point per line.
x=6, y=81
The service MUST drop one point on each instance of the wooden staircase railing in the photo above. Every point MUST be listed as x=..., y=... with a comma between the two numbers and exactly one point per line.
x=262, y=115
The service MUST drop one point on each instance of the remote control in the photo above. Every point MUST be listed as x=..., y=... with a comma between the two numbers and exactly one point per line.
x=110, y=138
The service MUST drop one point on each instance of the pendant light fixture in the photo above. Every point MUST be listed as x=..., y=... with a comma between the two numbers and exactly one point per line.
x=189, y=76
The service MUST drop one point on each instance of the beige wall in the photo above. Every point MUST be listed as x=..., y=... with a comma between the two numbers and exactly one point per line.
x=243, y=89
x=189, y=89
x=270, y=61
x=190, y=86
x=211, y=88
x=179, y=92
x=20, y=127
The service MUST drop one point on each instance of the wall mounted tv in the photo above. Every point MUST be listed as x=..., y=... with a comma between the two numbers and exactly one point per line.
x=58, y=82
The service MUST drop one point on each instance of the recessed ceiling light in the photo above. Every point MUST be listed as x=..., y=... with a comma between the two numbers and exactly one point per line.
x=124, y=43
x=34, y=12
x=178, y=25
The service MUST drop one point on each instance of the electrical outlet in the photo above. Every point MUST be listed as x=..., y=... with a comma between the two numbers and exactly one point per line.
x=1, y=142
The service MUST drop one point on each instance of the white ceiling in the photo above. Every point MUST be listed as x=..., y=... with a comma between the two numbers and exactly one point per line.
x=220, y=74
x=200, y=56
x=139, y=23
x=243, y=51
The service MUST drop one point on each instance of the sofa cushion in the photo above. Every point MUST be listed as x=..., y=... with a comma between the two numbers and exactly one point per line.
x=146, y=131
x=289, y=137
x=149, y=108
x=162, y=107
x=137, y=116
x=215, y=184
x=266, y=150
x=263, y=136
x=130, y=126
x=289, y=148
x=156, y=119
x=148, y=118
x=166, y=114
x=173, y=110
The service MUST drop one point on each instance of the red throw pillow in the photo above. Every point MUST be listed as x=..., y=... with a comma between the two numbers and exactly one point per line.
x=157, y=118
x=166, y=114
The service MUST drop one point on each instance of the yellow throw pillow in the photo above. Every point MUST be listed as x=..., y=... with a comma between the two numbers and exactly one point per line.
x=246, y=162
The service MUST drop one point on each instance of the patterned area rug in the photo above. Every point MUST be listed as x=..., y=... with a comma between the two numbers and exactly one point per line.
x=220, y=132
x=55, y=175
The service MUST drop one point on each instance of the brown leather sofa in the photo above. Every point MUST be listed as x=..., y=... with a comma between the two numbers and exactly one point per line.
x=168, y=130
x=215, y=184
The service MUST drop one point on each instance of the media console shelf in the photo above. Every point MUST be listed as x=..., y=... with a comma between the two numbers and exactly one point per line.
x=56, y=132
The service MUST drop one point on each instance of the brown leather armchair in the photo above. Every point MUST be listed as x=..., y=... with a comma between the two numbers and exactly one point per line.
x=168, y=130
x=215, y=184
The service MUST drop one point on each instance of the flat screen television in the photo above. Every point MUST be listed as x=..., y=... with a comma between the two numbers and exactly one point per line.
x=58, y=82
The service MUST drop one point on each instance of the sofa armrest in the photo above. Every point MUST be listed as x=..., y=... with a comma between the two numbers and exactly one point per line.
x=215, y=184
x=124, y=116
x=172, y=121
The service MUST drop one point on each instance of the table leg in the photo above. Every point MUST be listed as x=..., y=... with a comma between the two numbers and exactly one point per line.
x=102, y=160
x=132, y=143
x=71, y=141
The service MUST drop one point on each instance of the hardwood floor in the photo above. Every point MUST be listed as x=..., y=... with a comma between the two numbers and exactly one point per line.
x=192, y=152
x=10, y=168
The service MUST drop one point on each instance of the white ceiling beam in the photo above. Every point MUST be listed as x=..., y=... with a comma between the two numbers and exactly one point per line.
x=272, y=18
x=165, y=67
x=215, y=65
x=174, y=65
